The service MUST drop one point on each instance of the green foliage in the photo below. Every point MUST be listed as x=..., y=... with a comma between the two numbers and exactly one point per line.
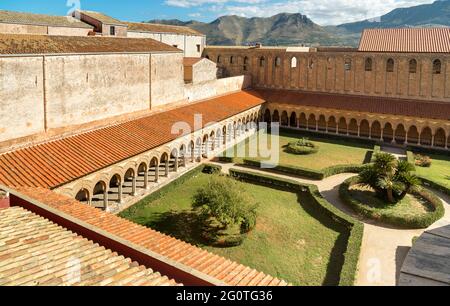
x=391, y=179
x=302, y=147
x=224, y=200
x=390, y=216
x=423, y=161
x=211, y=169
x=355, y=228
x=376, y=150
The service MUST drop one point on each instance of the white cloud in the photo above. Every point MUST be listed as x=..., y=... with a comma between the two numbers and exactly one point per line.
x=324, y=12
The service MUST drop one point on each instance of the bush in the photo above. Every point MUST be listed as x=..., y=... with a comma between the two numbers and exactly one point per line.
x=376, y=150
x=355, y=228
x=423, y=161
x=222, y=199
x=411, y=158
x=211, y=169
x=302, y=147
x=416, y=222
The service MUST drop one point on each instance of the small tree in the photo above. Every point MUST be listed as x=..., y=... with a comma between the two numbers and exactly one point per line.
x=391, y=179
x=224, y=200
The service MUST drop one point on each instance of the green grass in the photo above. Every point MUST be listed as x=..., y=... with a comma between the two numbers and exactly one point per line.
x=331, y=152
x=292, y=240
x=439, y=171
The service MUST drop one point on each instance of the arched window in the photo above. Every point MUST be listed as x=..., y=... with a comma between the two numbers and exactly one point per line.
x=231, y=59
x=277, y=61
x=412, y=66
x=207, y=56
x=262, y=62
x=311, y=63
x=219, y=59
x=437, y=66
x=245, y=63
x=368, y=64
x=294, y=62
x=390, y=65
x=348, y=64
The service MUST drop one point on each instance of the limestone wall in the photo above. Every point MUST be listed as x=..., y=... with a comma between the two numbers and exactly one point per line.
x=195, y=92
x=10, y=28
x=339, y=72
x=204, y=71
x=21, y=97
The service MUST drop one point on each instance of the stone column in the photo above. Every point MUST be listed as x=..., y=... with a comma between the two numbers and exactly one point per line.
x=146, y=179
x=133, y=186
x=105, y=199
x=120, y=195
x=157, y=173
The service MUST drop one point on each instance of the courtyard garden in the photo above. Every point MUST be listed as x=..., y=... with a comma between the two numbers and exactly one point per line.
x=303, y=154
x=284, y=231
x=437, y=171
x=389, y=191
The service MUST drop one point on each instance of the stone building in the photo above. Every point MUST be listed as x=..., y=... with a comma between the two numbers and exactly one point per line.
x=394, y=88
x=103, y=25
x=26, y=23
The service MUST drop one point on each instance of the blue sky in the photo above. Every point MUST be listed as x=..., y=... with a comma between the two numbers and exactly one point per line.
x=324, y=12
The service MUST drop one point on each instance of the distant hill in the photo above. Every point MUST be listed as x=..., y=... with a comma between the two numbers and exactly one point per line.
x=297, y=29
x=426, y=15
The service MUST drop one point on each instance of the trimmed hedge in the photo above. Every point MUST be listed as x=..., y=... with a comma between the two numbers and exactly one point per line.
x=411, y=158
x=435, y=185
x=376, y=150
x=205, y=168
x=355, y=228
x=417, y=222
x=306, y=172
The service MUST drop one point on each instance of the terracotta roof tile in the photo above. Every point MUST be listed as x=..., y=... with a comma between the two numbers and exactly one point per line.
x=431, y=40
x=39, y=19
x=210, y=264
x=46, y=44
x=36, y=251
x=101, y=17
x=160, y=28
x=55, y=163
x=371, y=104
x=191, y=61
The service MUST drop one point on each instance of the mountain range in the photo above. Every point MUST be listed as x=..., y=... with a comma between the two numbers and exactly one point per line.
x=297, y=29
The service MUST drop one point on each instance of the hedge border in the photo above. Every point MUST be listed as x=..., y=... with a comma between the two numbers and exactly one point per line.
x=168, y=188
x=356, y=228
x=435, y=185
x=419, y=222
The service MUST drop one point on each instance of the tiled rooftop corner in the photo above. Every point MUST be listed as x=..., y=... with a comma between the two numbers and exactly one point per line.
x=167, y=253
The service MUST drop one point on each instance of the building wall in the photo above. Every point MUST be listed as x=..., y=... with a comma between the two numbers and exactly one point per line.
x=21, y=97
x=121, y=31
x=86, y=88
x=187, y=43
x=204, y=71
x=205, y=90
x=326, y=72
x=9, y=28
x=167, y=79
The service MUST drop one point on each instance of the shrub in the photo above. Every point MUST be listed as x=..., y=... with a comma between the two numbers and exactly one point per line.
x=411, y=158
x=422, y=161
x=414, y=222
x=302, y=147
x=223, y=200
x=211, y=169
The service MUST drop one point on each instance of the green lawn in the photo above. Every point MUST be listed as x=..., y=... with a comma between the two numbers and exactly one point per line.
x=439, y=170
x=331, y=152
x=291, y=241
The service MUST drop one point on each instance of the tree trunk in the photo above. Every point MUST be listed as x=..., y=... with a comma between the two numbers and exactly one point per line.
x=390, y=195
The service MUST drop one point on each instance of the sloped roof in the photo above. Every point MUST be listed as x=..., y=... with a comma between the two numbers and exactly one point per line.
x=414, y=40
x=37, y=252
x=184, y=254
x=44, y=44
x=39, y=19
x=370, y=104
x=55, y=163
x=102, y=17
x=160, y=28
x=191, y=61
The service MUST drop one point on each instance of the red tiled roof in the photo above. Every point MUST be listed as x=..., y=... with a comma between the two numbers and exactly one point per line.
x=377, y=105
x=431, y=40
x=55, y=163
x=212, y=265
x=191, y=61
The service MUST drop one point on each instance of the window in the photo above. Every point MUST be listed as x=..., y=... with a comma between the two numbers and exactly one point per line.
x=262, y=62
x=176, y=46
x=294, y=62
x=412, y=66
x=277, y=61
x=198, y=48
x=245, y=63
x=231, y=59
x=112, y=31
x=437, y=67
x=390, y=65
x=348, y=64
x=219, y=59
x=311, y=63
x=368, y=64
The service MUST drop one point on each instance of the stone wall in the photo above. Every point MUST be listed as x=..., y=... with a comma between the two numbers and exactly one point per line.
x=195, y=92
x=345, y=72
x=10, y=28
x=204, y=71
